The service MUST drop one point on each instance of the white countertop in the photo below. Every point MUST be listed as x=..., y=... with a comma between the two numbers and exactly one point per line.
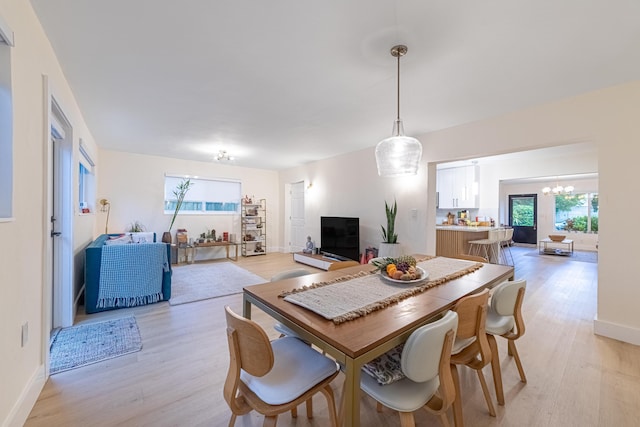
x=464, y=228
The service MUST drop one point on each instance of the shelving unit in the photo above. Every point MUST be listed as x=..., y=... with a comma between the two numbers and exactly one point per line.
x=254, y=228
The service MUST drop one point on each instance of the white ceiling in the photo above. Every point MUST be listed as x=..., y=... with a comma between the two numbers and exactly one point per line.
x=283, y=82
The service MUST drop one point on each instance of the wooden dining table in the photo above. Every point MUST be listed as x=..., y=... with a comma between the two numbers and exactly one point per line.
x=358, y=341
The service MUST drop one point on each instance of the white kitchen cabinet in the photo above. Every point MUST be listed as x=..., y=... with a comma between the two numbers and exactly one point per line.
x=457, y=187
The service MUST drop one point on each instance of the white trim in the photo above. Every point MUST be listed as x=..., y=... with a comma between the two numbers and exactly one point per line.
x=10, y=219
x=616, y=331
x=175, y=175
x=20, y=411
x=85, y=153
x=6, y=35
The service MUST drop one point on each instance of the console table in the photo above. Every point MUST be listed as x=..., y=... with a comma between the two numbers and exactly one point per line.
x=226, y=245
x=566, y=248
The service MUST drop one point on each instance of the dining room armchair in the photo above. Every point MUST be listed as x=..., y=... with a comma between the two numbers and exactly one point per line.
x=273, y=377
x=471, y=347
x=427, y=381
x=504, y=318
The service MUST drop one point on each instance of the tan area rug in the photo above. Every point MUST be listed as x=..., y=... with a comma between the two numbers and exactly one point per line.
x=198, y=282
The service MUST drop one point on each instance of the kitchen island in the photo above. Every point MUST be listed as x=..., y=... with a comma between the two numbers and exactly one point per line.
x=452, y=240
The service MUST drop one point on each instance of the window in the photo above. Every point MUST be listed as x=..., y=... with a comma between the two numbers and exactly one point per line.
x=86, y=181
x=206, y=196
x=6, y=124
x=577, y=212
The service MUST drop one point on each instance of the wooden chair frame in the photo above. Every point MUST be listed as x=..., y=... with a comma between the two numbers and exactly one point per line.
x=472, y=314
x=250, y=350
x=515, y=333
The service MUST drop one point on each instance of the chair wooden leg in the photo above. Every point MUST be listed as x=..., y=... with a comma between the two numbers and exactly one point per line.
x=514, y=352
x=294, y=412
x=406, y=419
x=327, y=391
x=232, y=421
x=444, y=419
x=310, y=408
x=270, y=421
x=495, y=368
x=457, y=403
x=485, y=391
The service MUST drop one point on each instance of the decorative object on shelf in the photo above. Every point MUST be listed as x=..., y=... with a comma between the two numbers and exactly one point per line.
x=105, y=206
x=181, y=237
x=309, y=247
x=246, y=200
x=398, y=155
x=223, y=156
x=557, y=237
x=389, y=246
x=179, y=192
x=558, y=190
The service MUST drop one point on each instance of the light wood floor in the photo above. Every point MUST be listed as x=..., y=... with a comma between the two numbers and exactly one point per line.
x=575, y=377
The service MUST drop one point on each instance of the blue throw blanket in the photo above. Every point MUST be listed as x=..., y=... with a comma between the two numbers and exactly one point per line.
x=131, y=274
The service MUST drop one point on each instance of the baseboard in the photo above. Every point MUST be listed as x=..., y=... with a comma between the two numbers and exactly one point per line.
x=616, y=331
x=21, y=410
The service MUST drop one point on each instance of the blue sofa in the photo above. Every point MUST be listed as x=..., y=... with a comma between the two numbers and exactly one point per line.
x=93, y=270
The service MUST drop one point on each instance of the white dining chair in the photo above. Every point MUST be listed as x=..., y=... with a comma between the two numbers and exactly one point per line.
x=427, y=382
x=504, y=318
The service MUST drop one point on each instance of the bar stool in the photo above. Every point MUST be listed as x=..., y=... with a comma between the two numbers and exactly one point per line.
x=488, y=248
x=505, y=246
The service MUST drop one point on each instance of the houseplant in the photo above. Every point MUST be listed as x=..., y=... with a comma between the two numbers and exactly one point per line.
x=179, y=192
x=389, y=246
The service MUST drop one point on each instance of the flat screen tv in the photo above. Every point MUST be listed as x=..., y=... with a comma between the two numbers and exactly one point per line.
x=340, y=237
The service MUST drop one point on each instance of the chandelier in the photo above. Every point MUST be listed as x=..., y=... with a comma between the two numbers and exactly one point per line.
x=558, y=190
x=399, y=154
x=223, y=156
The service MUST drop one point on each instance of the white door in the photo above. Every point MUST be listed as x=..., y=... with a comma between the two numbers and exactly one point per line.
x=298, y=238
x=61, y=220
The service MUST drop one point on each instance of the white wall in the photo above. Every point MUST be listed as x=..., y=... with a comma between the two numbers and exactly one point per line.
x=24, y=259
x=134, y=184
x=348, y=185
x=586, y=118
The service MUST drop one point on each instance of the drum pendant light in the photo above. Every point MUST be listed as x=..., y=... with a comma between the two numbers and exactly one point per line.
x=398, y=155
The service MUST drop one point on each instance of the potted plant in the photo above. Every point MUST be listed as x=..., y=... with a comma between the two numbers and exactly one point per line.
x=179, y=192
x=389, y=246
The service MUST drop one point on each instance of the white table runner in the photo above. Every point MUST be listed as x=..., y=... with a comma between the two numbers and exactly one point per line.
x=352, y=296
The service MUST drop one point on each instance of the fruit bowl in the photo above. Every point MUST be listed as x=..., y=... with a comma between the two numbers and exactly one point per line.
x=423, y=276
x=557, y=237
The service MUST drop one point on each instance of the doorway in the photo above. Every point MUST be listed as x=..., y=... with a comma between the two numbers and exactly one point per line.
x=523, y=214
x=59, y=280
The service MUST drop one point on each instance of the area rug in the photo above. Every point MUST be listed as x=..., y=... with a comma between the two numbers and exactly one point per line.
x=198, y=282
x=93, y=342
x=581, y=256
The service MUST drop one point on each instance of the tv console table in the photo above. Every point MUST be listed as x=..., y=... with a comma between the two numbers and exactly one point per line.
x=315, y=260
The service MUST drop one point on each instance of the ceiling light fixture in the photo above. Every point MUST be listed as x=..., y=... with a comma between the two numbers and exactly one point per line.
x=558, y=190
x=398, y=155
x=223, y=155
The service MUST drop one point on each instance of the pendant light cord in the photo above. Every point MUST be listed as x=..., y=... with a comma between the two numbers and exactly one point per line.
x=398, y=98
